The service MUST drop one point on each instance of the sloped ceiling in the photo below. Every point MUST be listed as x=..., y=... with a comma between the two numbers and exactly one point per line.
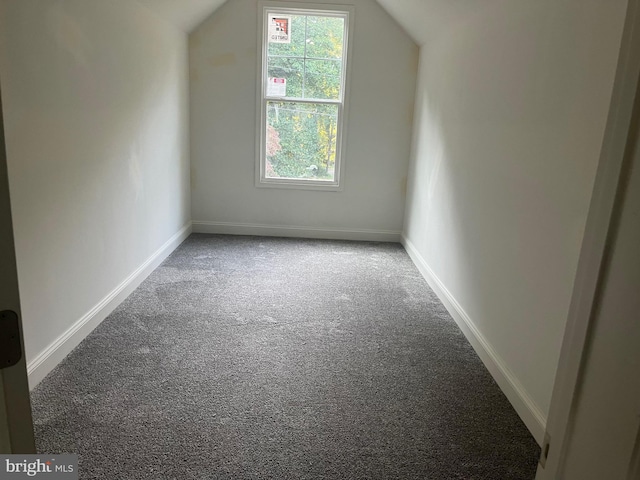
x=425, y=19
x=421, y=19
x=184, y=14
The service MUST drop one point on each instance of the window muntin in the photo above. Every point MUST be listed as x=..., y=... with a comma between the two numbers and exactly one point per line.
x=302, y=91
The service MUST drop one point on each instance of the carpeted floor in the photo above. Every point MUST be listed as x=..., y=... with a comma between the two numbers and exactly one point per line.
x=250, y=357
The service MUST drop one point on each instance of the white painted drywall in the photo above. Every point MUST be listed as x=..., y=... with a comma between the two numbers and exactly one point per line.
x=428, y=19
x=223, y=128
x=184, y=14
x=510, y=113
x=96, y=116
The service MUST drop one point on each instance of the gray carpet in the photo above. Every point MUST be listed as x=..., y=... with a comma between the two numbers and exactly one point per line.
x=250, y=357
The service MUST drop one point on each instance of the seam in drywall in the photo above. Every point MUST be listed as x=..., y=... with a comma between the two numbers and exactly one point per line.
x=515, y=392
x=51, y=356
x=229, y=228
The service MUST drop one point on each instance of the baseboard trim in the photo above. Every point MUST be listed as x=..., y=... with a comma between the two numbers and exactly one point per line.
x=51, y=356
x=229, y=228
x=521, y=401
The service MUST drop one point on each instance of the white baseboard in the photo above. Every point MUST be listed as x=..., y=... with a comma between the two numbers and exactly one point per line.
x=520, y=399
x=51, y=356
x=295, y=231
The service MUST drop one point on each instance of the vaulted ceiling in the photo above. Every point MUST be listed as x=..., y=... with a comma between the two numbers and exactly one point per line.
x=421, y=19
x=425, y=19
x=184, y=14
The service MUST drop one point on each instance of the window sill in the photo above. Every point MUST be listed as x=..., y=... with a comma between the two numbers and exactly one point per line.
x=293, y=184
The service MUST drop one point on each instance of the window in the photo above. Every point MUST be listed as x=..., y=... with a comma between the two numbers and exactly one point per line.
x=302, y=89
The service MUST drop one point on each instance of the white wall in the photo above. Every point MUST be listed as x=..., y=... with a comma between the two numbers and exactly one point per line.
x=186, y=15
x=96, y=115
x=510, y=114
x=223, y=132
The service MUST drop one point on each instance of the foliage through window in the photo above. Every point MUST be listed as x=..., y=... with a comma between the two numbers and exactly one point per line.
x=302, y=85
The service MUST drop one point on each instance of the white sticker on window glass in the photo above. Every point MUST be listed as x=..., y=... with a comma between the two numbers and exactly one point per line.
x=277, y=87
x=279, y=28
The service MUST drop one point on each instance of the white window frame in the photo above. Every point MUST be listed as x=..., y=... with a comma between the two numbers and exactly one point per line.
x=294, y=8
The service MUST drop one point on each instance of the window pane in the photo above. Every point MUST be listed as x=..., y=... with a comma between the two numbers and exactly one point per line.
x=291, y=69
x=304, y=62
x=324, y=37
x=322, y=79
x=301, y=140
x=311, y=63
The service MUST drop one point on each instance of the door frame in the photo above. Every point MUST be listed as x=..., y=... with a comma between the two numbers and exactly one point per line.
x=16, y=424
x=609, y=179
